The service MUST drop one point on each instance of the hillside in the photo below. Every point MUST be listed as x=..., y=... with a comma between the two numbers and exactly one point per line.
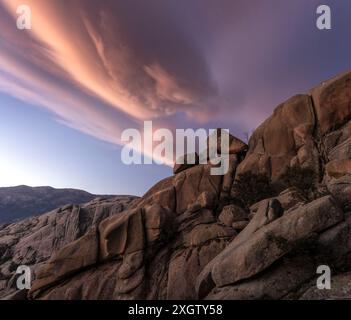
x=20, y=202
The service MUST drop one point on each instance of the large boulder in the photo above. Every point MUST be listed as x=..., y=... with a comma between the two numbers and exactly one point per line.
x=337, y=143
x=283, y=140
x=247, y=256
x=273, y=284
x=338, y=168
x=307, y=130
x=70, y=259
x=332, y=102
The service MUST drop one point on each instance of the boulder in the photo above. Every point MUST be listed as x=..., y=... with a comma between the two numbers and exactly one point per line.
x=114, y=231
x=203, y=233
x=273, y=284
x=338, y=143
x=240, y=225
x=185, y=265
x=185, y=162
x=232, y=213
x=341, y=190
x=92, y=284
x=228, y=178
x=268, y=211
x=131, y=263
x=158, y=223
x=338, y=168
x=236, y=146
x=190, y=219
x=244, y=259
x=70, y=259
x=332, y=102
x=288, y=199
x=335, y=242
x=190, y=184
x=283, y=140
x=340, y=289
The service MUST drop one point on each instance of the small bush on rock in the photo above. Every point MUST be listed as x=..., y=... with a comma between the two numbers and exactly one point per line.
x=300, y=178
x=251, y=188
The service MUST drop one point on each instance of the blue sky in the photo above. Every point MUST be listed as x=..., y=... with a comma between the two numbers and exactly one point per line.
x=89, y=69
x=48, y=153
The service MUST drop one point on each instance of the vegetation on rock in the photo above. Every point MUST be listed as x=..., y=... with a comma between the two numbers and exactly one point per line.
x=251, y=188
x=301, y=178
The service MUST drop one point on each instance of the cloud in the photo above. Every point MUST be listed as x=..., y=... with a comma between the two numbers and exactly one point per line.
x=167, y=88
x=86, y=41
x=103, y=66
x=84, y=62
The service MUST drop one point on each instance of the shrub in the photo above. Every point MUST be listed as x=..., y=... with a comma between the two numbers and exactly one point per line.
x=251, y=188
x=300, y=178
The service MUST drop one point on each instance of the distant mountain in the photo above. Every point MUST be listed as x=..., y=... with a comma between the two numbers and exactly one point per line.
x=20, y=202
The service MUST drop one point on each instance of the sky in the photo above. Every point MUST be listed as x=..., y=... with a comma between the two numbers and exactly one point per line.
x=88, y=69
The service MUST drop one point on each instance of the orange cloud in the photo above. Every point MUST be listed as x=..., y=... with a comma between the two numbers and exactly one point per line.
x=81, y=62
x=95, y=56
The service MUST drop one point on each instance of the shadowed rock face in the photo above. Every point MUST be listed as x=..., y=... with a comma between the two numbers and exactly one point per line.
x=189, y=238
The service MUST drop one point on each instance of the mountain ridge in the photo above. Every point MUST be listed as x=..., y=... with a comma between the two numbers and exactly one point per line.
x=20, y=202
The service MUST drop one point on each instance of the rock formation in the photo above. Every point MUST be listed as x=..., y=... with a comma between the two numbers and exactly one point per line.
x=32, y=241
x=190, y=237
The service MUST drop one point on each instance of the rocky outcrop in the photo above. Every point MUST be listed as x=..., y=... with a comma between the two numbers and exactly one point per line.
x=307, y=130
x=33, y=241
x=332, y=103
x=285, y=139
x=266, y=241
x=172, y=227
x=189, y=237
